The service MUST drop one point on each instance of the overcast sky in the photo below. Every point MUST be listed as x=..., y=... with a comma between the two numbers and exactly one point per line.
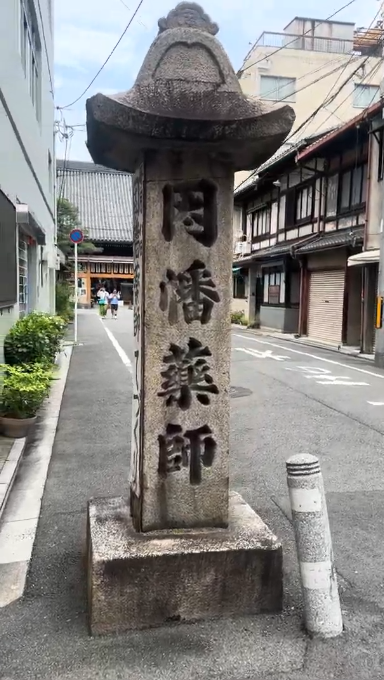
x=86, y=31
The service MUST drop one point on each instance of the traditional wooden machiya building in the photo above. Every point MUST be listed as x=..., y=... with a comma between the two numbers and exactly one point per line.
x=103, y=198
x=307, y=247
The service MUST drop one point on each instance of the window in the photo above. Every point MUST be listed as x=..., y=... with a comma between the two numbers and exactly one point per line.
x=261, y=222
x=353, y=185
x=23, y=274
x=238, y=286
x=304, y=203
x=274, y=288
x=8, y=253
x=276, y=88
x=365, y=95
x=332, y=194
x=380, y=167
x=30, y=51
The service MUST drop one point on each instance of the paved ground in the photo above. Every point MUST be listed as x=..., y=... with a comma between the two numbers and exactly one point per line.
x=300, y=400
x=5, y=448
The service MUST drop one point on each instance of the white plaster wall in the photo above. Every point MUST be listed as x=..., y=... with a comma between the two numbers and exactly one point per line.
x=16, y=178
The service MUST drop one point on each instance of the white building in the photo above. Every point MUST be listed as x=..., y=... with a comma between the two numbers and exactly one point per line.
x=306, y=65
x=27, y=176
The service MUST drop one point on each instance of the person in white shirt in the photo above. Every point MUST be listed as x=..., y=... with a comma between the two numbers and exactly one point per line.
x=103, y=301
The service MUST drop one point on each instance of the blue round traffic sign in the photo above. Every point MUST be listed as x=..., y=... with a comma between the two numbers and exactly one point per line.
x=76, y=236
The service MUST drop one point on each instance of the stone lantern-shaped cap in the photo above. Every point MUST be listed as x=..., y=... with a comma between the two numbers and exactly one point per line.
x=183, y=130
x=186, y=93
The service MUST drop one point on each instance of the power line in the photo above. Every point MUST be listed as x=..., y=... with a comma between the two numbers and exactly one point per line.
x=349, y=62
x=128, y=8
x=305, y=75
x=242, y=70
x=107, y=59
x=67, y=136
x=326, y=102
x=313, y=82
x=316, y=111
x=45, y=47
x=370, y=75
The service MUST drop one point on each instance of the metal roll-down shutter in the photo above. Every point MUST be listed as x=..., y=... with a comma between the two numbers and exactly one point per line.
x=326, y=300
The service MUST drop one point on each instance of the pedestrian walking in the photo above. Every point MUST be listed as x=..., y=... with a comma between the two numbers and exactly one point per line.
x=103, y=301
x=114, y=302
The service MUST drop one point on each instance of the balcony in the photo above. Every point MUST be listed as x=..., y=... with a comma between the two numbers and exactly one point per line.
x=307, y=42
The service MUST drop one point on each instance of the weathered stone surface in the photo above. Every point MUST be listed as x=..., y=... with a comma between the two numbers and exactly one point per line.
x=183, y=130
x=186, y=94
x=144, y=580
x=183, y=332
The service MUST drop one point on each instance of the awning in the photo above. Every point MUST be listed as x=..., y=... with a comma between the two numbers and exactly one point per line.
x=29, y=224
x=366, y=257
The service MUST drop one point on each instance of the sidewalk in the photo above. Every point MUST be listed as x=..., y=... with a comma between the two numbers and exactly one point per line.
x=11, y=452
x=45, y=636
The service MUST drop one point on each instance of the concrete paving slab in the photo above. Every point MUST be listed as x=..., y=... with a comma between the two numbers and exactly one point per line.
x=12, y=579
x=22, y=504
x=16, y=540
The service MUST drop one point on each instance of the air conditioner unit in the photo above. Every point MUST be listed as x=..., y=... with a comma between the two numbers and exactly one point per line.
x=238, y=248
x=246, y=248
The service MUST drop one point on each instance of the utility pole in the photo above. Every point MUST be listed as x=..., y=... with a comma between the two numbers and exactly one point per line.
x=379, y=346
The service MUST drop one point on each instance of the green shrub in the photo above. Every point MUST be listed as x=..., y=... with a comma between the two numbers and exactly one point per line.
x=236, y=317
x=64, y=302
x=24, y=389
x=36, y=338
x=239, y=318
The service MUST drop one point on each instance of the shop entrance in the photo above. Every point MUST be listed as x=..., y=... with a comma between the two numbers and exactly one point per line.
x=123, y=286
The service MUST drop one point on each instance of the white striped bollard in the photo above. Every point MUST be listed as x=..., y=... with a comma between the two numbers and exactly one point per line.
x=322, y=612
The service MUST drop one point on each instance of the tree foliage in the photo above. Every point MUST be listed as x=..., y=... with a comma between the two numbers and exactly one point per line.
x=68, y=219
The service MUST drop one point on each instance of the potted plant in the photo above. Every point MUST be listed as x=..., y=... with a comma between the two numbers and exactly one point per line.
x=24, y=389
x=35, y=338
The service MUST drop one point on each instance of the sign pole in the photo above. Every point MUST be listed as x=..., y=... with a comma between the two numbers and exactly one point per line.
x=76, y=236
x=76, y=294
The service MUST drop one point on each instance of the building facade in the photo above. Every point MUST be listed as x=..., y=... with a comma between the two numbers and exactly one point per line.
x=306, y=66
x=312, y=218
x=103, y=198
x=27, y=175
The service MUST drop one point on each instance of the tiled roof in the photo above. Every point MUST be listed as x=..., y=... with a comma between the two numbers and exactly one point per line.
x=102, y=196
x=285, y=151
x=278, y=249
x=351, y=236
x=367, y=113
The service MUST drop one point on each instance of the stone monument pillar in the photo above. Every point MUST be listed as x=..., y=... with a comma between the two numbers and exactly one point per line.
x=183, y=130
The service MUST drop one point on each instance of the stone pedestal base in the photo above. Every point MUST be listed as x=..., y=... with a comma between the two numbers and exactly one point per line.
x=143, y=580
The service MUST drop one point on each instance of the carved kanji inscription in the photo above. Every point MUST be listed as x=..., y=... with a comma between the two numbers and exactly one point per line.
x=187, y=372
x=193, y=448
x=194, y=289
x=191, y=206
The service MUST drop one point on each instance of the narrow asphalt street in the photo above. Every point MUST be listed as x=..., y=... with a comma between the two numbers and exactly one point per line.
x=286, y=399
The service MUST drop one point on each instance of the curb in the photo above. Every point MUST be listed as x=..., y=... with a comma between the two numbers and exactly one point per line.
x=21, y=515
x=9, y=471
